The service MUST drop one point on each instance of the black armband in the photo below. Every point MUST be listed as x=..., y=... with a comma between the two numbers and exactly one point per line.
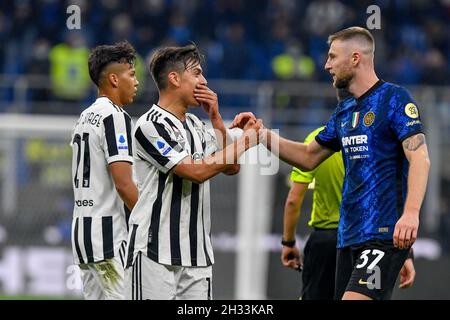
x=290, y=243
x=411, y=254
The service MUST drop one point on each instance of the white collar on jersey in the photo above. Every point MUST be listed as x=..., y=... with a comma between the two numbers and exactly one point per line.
x=167, y=113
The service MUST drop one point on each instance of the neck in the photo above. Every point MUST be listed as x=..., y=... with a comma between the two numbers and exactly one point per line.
x=111, y=95
x=174, y=106
x=362, y=82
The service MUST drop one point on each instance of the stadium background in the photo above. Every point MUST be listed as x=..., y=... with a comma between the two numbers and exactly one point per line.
x=265, y=56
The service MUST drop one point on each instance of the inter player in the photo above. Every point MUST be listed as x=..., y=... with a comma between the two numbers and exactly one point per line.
x=169, y=251
x=319, y=259
x=386, y=168
x=102, y=173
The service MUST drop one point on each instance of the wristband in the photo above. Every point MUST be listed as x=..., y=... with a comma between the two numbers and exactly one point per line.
x=290, y=243
x=411, y=254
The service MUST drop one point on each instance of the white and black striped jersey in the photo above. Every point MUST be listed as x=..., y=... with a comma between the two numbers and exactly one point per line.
x=171, y=220
x=101, y=136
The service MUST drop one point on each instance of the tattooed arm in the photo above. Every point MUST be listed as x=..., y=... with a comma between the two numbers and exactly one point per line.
x=416, y=152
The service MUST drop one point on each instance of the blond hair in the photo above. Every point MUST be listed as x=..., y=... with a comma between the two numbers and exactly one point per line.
x=354, y=33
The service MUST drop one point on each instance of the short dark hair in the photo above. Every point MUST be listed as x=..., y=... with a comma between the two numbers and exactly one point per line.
x=167, y=59
x=101, y=56
x=351, y=33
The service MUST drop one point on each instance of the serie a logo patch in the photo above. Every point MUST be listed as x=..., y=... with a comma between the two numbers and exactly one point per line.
x=163, y=147
x=411, y=110
x=122, y=142
x=369, y=118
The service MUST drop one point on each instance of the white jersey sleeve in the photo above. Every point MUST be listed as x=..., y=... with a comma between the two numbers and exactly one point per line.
x=207, y=135
x=212, y=144
x=117, y=143
x=158, y=145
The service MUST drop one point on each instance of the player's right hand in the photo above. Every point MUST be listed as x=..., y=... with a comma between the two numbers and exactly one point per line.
x=241, y=119
x=251, y=132
x=405, y=231
x=290, y=257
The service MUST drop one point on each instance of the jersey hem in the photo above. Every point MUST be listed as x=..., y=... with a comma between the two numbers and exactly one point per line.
x=120, y=158
x=357, y=243
x=410, y=134
x=153, y=256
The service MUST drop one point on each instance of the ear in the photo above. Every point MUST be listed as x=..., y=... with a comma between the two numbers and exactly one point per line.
x=356, y=58
x=174, y=79
x=113, y=80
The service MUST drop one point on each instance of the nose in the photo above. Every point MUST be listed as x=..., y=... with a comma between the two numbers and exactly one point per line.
x=327, y=65
x=203, y=80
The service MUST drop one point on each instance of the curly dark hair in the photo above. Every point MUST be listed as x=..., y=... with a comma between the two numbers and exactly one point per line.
x=101, y=56
x=168, y=59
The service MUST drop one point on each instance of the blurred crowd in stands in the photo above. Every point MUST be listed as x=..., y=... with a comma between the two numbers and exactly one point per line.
x=242, y=39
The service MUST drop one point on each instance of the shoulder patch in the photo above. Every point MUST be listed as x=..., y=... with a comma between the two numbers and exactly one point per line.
x=122, y=143
x=411, y=111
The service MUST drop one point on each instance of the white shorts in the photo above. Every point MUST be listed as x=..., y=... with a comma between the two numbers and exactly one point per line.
x=149, y=280
x=103, y=280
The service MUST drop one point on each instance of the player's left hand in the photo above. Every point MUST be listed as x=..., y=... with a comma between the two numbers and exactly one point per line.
x=208, y=100
x=405, y=233
x=407, y=274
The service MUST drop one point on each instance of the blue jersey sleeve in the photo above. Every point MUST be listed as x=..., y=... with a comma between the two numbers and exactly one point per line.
x=405, y=117
x=328, y=137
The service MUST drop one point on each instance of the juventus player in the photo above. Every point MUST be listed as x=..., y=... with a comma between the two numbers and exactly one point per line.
x=169, y=252
x=102, y=173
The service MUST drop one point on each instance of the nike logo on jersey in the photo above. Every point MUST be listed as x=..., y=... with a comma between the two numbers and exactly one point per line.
x=361, y=282
x=343, y=124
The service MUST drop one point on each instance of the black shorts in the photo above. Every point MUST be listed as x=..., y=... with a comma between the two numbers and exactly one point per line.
x=370, y=268
x=319, y=265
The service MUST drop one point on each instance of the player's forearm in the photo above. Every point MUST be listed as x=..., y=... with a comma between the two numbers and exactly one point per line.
x=419, y=165
x=128, y=192
x=291, y=216
x=232, y=152
x=292, y=208
x=294, y=153
x=223, y=138
x=222, y=161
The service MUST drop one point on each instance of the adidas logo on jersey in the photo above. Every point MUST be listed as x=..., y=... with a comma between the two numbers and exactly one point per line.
x=84, y=203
